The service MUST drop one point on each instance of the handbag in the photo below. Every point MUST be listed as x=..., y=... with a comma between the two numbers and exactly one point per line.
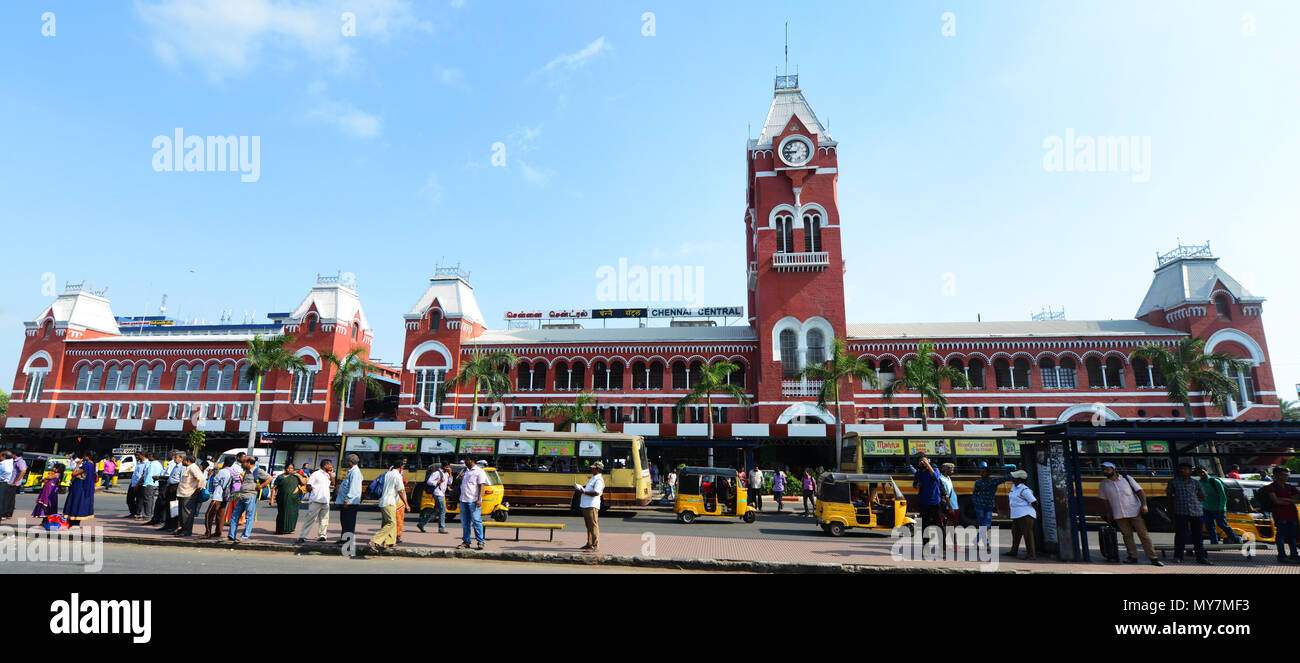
x=204, y=494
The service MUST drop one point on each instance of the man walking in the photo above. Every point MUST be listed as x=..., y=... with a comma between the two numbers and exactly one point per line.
x=170, y=493
x=1215, y=507
x=756, y=488
x=1186, y=495
x=928, y=494
x=349, y=496
x=318, y=500
x=109, y=473
x=149, y=488
x=471, y=503
x=1282, y=498
x=394, y=492
x=984, y=499
x=436, y=484
x=590, y=504
x=670, y=486
x=133, y=488
x=1022, y=502
x=253, y=480
x=778, y=488
x=1125, y=505
x=809, y=490
x=20, y=473
x=6, y=488
x=187, y=492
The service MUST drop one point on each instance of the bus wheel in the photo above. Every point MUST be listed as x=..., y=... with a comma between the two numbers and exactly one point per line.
x=499, y=515
x=835, y=529
x=750, y=516
x=686, y=517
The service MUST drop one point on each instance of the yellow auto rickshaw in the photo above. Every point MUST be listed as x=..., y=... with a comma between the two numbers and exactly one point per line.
x=711, y=491
x=1244, y=513
x=494, y=492
x=868, y=501
x=41, y=464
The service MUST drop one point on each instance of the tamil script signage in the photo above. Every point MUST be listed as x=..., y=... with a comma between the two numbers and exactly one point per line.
x=882, y=447
x=626, y=313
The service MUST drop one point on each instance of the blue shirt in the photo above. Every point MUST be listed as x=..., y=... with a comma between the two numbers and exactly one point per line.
x=155, y=468
x=985, y=493
x=174, y=474
x=927, y=484
x=138, y=472
x=350, y=488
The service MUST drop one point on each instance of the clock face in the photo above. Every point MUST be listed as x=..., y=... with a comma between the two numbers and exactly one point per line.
x=796, y=152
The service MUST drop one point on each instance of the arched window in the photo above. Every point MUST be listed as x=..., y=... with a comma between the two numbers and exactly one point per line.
x=214, y=379
x=1047, y=373
x=789, y=354
x=35, y=379
x=640, y=375
x=110, y=384
x=96, y=378
x=311, y=324
x=1096, y=377
x=427, y=381
x=885, y=376
x=1002, y=373
x=1142, y=375
x=356, y=329
x=812, y=232
x=657, y=375
x=737, y=377
x=196, y=378
x=245, y=380
x=141, y=379
x=1114, y=373
x=816, y=342
x=1223, y=306
x=524, y=377
x=435, y=320
x=1067, y=373
x=561, y=376
x=615, y=379
x=227, y=377
x=784, y=234
x=539, y=376
x=1020, y=373
x=577, y=376
x=182, y=378
x=679, y=375
x=694, y=373
x=49, y=327
x=956, y=364
x=975, y=373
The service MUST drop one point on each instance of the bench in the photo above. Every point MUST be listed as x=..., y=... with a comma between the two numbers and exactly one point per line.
x=518, y=526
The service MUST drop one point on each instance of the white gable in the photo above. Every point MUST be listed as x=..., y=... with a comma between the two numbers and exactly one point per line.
x=454, y=296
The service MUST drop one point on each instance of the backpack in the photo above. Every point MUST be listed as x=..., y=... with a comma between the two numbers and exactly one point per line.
x=376, y=488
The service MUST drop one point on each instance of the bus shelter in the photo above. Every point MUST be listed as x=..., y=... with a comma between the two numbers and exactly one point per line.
x=1058, y=458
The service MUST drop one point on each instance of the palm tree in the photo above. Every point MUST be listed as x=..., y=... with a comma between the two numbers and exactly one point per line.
x=1290, y=410
x=841, y=366
x=713, y=380
x=349, y=369
x=1189, y=367
x=266, y=355
x=925, y=375
x=583, y=411
x=485, y=371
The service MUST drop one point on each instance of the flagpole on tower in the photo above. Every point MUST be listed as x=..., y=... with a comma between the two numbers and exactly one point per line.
x=787, y=48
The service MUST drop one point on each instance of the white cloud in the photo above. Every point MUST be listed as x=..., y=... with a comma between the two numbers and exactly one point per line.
x=229, y=37
x=348, y=118
x=575, y=60
x=448, y=75
x=534, y=176
x=522, y=138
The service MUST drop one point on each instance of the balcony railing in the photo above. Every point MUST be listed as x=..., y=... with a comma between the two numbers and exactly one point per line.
x=801, y=262
x=800, y=387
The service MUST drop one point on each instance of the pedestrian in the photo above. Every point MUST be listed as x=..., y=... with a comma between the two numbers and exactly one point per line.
x=80, y=504
x=984, y=499
x=654, y=475
x=471, y=503
x=1023, y=513
x=318, y=501
x=109, y=472
x=7, y=497
x=778, y=489
x=394, y=494
x=20, y=472
x=670, y=492
x=1235, y=473
x=756, y=488
x=1186, y=496
x=436, y=485
x=220, y=489
x=349, y=496
x=252, y=480
x=1282, y=498
x=589, y=502
x=133, y=488
x=147, y=499
x=171, y=503
x=403, y=504
x=160, y=495
x=1215, y=508
x=809, y=490
x=237, y=476
x=928, y=494
x=47, y=502
x=188, y=493
x=286, y=490
x=951, y=505
x=1125, y=504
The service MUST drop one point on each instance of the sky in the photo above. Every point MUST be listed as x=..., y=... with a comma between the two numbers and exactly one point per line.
x=533, y=143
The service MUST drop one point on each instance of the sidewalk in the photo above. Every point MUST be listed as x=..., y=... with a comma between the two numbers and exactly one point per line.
x=853, y=553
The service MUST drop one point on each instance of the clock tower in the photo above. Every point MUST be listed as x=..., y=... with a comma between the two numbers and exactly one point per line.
x=796, y=269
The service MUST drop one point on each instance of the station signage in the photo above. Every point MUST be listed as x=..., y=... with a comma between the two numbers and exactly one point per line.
x=628, y=313
x=699, y=312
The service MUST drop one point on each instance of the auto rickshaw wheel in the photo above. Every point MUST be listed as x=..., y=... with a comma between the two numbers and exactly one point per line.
x=500, y=515
x=835, y=528
x=687, y=517
x=750, y=516
x=911, y=530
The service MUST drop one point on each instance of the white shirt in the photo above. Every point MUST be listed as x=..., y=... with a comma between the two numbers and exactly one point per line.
x=595, y=485
x=7, y=470
x=392, y=483
x=218, y=486
x=1022, y=500
x=320, y=487
x=756, y=478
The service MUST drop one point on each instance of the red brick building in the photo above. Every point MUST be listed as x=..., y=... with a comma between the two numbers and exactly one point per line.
x=1021, y=373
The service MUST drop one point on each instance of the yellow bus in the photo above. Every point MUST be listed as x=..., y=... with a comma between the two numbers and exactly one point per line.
x=537, y=467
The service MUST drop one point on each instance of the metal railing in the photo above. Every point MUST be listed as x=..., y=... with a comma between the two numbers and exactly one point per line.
x=800, y=387
x=801, y=261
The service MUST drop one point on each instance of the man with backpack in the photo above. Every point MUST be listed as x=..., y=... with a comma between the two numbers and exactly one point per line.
x=1125, y=505
x=393, y=491
x=436, y=484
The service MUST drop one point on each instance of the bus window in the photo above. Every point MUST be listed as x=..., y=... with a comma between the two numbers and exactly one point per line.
x=617, y=456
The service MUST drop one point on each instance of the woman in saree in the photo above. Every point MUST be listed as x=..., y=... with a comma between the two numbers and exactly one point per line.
x=401, y=505
x=47, y=503
x=81, y=492
x=287, y=491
